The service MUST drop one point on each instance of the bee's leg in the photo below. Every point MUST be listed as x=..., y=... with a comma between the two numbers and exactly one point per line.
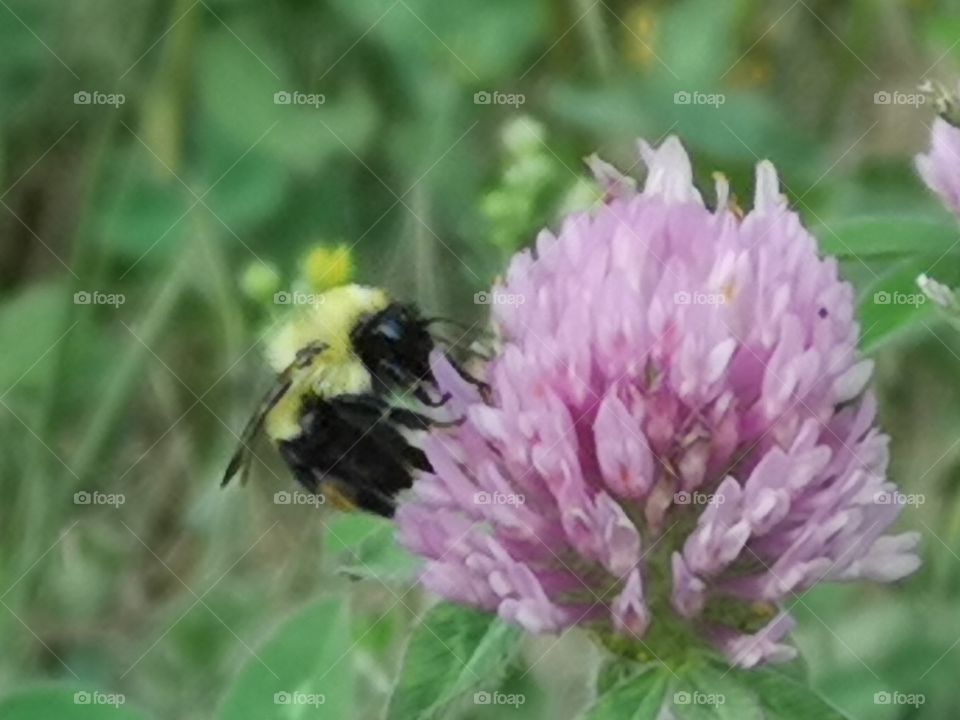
x=424, y=397
x=477, y=383
x=361, y=410
x=480, y=385
x=399, y=377
x=403, y=378
x=417, y=421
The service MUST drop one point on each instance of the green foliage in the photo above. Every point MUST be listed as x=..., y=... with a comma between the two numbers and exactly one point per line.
x=636, y=697
x=452, y=652
x=199, y=195
x=784, y=698
x=304, y=669
x=66, y=704
x=367, y=548
x=871, y=236
x=26, y=333
x=708, y=690
x=892, y=305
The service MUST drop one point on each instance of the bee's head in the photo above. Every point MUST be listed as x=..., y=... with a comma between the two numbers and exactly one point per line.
x=394, y=344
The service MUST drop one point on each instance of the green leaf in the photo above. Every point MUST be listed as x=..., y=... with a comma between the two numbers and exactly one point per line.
x=639, y=697
x=145, y=209
x=481, y=42
x=244, y=187
x=797, y=669
x=65, y=703
x=452, y=652
x=892, y=305
x=373, y=553
x=240, y=92
x=877, y=235
x=29, y=326
x=305, y=669
x=347, y=531
x=697, y=42
x=784, y=698
x=708, y=693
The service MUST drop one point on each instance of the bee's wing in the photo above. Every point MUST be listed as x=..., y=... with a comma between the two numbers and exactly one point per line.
x=240, y=456
x=283, y=382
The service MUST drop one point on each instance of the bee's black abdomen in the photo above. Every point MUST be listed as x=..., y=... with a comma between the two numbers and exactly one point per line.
x=350, y=442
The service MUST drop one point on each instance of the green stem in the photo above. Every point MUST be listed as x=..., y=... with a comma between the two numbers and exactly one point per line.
x=944, y=565
x=598, y=41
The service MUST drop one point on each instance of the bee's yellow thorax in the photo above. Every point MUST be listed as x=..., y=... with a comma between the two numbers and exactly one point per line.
x=334, y=371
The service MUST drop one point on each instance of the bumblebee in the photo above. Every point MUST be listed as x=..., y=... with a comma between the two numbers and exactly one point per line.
x=336, y=411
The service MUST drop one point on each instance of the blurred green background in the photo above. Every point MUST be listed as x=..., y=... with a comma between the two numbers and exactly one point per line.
x=178, y=182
